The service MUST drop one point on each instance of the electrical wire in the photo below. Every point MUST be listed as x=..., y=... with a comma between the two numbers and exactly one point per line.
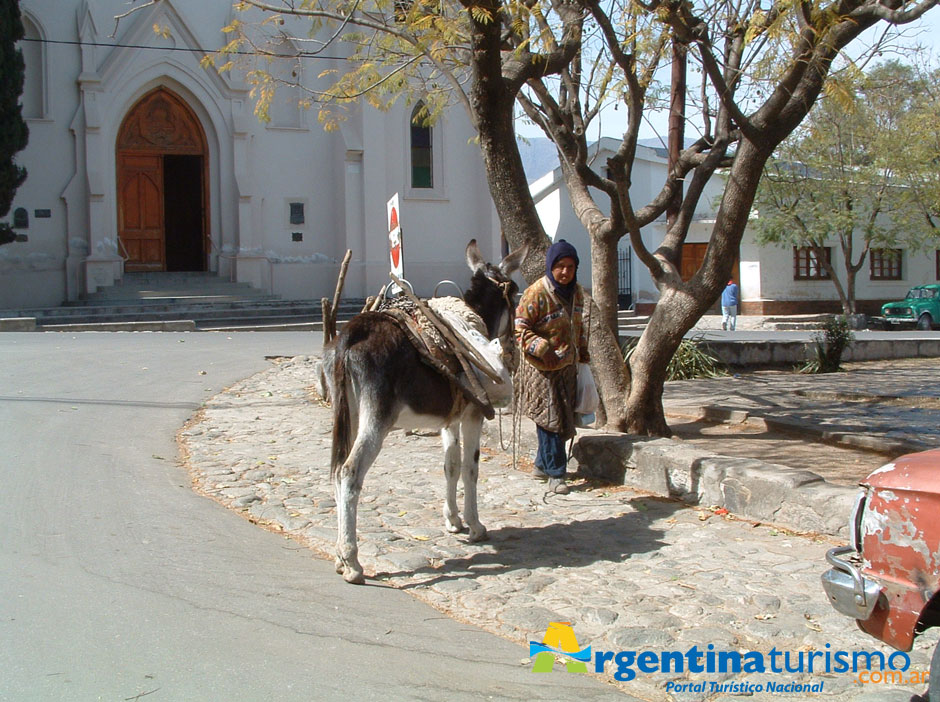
x=296, y=55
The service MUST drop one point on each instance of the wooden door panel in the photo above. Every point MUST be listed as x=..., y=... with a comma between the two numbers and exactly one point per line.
x=692, y=257
x=140, y=211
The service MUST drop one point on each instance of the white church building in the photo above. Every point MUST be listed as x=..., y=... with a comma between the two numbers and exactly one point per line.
x=142, y=159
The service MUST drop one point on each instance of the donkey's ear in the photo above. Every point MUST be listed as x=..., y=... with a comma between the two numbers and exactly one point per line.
x=474, y=257
x=513, y=260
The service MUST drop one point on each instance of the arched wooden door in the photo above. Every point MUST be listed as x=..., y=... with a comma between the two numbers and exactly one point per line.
x=161, y=186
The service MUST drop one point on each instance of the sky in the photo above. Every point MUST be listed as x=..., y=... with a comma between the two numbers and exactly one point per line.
x=612, y=122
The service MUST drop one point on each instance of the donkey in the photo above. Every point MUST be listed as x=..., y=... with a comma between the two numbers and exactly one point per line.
x=379, y=383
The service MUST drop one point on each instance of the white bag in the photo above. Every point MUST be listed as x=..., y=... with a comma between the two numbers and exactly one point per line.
x=587, y=400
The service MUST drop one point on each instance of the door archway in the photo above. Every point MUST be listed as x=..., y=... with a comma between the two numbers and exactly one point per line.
x=162, y=176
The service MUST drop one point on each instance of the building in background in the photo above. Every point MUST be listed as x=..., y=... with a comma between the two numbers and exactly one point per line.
x=773, y=280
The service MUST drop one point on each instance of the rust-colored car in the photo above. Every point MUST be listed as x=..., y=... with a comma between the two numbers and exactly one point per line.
x=888, y=577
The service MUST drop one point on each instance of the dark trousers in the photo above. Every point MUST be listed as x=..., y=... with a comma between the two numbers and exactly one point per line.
x=551, y=457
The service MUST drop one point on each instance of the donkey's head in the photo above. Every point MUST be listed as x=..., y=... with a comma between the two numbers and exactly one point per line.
x=492, y=290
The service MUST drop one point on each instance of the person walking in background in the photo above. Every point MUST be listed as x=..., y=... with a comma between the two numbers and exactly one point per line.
x=729, y=306
x=549, y=331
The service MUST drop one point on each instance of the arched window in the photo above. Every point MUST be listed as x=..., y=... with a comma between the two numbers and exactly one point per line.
x=33, y=98
x=422, y=162
x=285, y=110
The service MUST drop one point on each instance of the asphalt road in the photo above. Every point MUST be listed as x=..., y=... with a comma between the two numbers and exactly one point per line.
x=117, y=582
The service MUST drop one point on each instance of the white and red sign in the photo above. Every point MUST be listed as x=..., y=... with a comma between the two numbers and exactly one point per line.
x=394, y=238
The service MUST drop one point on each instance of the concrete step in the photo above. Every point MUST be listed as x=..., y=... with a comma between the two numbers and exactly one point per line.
x=122, y=294
x=234, y=313
x=175, y=300
x=142, y=289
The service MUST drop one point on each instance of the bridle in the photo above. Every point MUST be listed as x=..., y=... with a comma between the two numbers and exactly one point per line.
x=506, y=336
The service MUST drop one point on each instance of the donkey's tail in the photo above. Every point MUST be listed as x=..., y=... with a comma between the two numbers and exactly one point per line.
x=342, y=425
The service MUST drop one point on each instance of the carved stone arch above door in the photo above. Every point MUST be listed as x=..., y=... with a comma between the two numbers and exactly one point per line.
x=161, y=121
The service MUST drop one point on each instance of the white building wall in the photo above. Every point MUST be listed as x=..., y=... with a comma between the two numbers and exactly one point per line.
x=777, y=283
x=33, y=273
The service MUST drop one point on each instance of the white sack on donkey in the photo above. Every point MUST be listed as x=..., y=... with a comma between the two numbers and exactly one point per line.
x=469, y=326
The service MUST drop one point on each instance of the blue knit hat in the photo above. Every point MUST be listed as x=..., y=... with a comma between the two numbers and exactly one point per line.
x=561, y=249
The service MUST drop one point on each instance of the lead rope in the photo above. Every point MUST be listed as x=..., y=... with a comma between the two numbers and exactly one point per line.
x=502, y=445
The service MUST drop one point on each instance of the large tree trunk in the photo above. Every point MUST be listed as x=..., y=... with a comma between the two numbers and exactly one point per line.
x=493, y=103
x=675, y=313
x=682, y=304
x=605, y=279
x=610, y=371
x=849, y=307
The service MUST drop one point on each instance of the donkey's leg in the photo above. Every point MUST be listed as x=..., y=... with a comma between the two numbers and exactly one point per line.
x=471, y=427
x=451, y=441
x=348, y=485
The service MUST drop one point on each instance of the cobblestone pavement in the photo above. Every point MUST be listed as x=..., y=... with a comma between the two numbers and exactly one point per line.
x=890, y=400
x=629, y=571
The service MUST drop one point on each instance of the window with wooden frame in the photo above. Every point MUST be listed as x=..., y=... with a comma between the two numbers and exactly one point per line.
x=806, y=266
x=885, y=264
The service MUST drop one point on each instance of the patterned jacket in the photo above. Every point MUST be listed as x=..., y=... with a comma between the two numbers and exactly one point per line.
x=549, y=337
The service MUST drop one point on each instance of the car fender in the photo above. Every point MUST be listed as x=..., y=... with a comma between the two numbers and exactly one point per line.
x=901, y=544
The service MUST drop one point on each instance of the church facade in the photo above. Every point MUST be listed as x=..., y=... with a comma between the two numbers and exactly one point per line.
x=141, y=158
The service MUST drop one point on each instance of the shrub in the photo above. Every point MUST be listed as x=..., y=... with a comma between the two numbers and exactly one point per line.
x=691, y=360
x=829, y=344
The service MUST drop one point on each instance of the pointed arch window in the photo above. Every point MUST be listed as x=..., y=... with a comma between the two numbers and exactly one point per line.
x=422, y=156
x=34, y=58
x=285, y=110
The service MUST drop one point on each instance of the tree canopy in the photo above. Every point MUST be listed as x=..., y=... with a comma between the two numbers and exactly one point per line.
x=853, y=176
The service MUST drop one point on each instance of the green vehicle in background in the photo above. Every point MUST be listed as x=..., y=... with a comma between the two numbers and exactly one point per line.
x=921, y=308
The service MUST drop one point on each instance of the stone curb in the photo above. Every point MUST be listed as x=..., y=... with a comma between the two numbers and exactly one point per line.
x=179, y=325
x=744, y=352
x=764, y=492
x=18, y=324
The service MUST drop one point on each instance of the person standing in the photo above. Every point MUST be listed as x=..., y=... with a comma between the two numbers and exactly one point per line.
x=550, y=333
x=729, y=306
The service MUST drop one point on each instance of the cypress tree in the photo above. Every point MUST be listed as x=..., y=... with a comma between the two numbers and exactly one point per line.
x=13, y=131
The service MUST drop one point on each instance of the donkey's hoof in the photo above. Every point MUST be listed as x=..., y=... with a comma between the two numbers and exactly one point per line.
x=478, y=533
x=354, y=576
x=338, y=564
x=454, y=527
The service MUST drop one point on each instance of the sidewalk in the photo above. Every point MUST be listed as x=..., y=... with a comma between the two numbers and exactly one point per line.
x=889, y=406
x=630, y=571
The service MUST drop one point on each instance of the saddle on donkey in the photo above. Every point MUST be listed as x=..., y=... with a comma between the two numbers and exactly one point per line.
x=489, y=387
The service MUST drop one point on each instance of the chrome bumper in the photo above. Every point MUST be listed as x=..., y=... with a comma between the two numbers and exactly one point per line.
x=850, y=592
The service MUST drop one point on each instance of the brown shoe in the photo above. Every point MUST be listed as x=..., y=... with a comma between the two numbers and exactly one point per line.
x=558, y=486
